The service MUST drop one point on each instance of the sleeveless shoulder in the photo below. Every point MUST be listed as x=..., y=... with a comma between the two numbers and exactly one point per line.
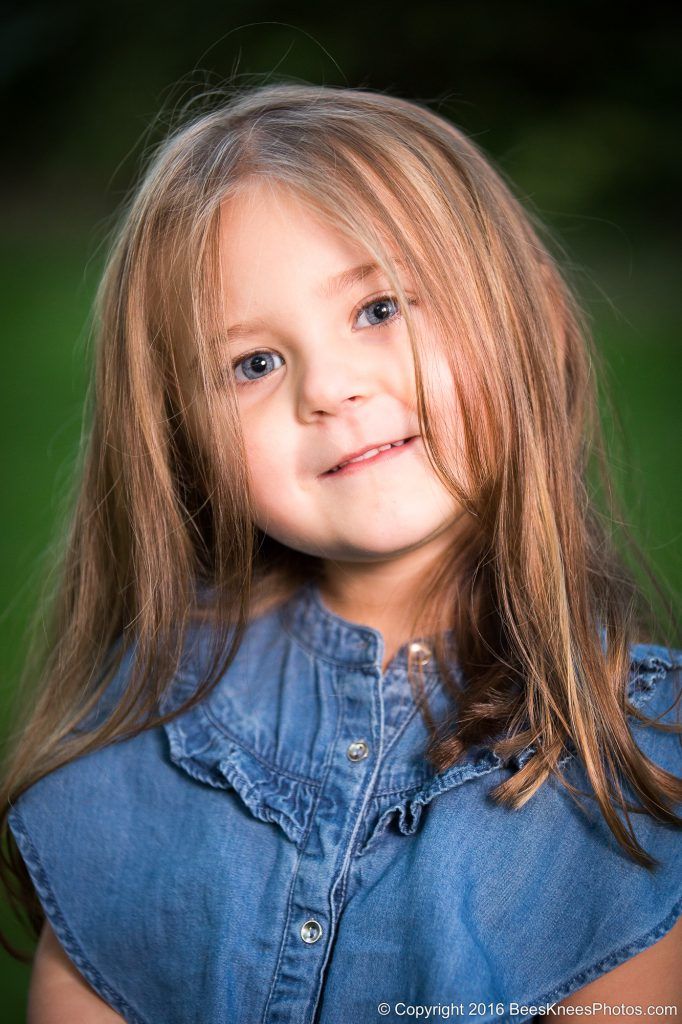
x=608, y=907
x=77, y=829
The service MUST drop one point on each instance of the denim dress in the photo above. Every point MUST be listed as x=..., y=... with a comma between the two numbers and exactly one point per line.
x=282, y=853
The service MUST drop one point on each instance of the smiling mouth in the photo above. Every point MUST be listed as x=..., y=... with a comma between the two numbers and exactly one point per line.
x=371, y=455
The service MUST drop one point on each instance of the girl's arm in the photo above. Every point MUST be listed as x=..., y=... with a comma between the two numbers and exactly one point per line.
x=58, y=994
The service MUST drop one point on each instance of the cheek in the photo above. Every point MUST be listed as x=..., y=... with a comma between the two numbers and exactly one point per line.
x=270, y=463
x=277, y=508
x=269, y=482
x=443, y=405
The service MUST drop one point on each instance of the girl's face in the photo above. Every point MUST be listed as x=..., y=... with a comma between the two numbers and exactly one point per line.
x=324, y=373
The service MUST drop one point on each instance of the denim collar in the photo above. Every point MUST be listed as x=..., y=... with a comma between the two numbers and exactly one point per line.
x=335, y=639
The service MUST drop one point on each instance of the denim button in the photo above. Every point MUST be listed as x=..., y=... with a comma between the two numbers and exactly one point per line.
x=357, y=751
x=311, y=931
x=421, y=653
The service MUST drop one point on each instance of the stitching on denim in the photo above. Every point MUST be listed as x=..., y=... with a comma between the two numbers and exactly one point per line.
x=285, y=933
x=57, y=918
x=301, y=847
x=607, y=963
x=358, y=831
x=402, y=726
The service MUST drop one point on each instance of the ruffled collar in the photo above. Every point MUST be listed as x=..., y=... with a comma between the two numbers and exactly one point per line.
x=215, y=743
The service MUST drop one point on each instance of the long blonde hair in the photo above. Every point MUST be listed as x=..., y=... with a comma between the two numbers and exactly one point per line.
x=160, y=529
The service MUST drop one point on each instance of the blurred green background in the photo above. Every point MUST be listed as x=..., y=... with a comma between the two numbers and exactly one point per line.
x=577, y=104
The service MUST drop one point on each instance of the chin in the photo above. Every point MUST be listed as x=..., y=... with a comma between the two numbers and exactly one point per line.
x=365, y=548
x=368, y=539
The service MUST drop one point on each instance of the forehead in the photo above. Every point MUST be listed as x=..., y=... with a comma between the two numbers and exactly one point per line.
x=267, y=234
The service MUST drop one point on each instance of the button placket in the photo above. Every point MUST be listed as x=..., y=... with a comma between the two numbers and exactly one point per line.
x=324, y=857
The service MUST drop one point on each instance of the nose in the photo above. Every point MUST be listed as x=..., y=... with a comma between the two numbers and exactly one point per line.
x=326, y=386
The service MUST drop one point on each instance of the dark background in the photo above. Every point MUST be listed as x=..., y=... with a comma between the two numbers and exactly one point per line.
x=578, y=103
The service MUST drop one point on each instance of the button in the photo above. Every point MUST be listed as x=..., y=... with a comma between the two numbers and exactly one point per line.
x=311, y=931
x=357, y=751
x=421, y=653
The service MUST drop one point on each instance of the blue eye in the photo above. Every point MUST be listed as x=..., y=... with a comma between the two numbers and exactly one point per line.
x=383, y=310
x=256, y=365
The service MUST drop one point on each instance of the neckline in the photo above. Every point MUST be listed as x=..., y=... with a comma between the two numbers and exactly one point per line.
x=330, y=636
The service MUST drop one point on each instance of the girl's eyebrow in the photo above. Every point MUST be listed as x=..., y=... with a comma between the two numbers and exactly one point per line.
x=333, y=286
x=347, y=278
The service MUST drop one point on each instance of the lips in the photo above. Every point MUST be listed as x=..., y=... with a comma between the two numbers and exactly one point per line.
x=370, y=452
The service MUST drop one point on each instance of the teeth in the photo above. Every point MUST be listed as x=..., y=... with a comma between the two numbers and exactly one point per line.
x=368, y=455
x=371, y=453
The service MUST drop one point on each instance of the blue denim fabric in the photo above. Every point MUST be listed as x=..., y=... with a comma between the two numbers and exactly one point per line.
x=181, y=869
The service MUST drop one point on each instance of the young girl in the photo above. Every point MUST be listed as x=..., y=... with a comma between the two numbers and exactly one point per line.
x=345, y=710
